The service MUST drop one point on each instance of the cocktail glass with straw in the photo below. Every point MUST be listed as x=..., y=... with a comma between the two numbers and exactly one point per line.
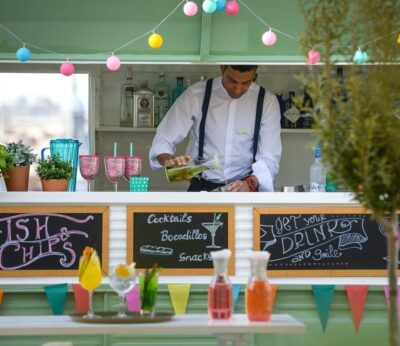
x=122, y=279
x=115, y=168
x=90, y=275
x=89, y=167
x=212, y=227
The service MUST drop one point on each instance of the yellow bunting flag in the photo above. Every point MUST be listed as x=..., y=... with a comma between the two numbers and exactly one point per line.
x=1, y=295
x=273, y=296
x=179, y=294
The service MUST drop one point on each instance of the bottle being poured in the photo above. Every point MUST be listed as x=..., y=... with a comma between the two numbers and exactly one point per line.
x=258, y=291
x=193, y=169
x=220, y=289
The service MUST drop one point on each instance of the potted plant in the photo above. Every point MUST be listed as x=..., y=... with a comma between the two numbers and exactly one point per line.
x=54, y=173
x=3, y=166
x=18, y=165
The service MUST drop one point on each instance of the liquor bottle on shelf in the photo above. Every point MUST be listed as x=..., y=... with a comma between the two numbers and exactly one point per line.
x=292, y=114
x=127, y=105
x=162, y=93
x=179, y=89
x=317, y=174
x=188, y=83
x=143, y=99
x=340, y=76
x=305, y=115
x=281, y=102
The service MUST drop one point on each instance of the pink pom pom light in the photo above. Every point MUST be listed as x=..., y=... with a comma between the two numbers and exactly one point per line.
x=269, y=38
x=67, y=69
x=113, y=63
x=190, y=8
x=313, y=57
x=232, y=8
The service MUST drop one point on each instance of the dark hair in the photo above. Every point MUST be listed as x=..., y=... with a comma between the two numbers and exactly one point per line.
x=242, y=68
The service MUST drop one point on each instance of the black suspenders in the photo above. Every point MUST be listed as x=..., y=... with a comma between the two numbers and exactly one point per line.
x=204, y=109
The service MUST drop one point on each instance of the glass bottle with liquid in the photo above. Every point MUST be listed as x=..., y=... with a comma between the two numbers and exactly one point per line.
x=220, y=288
x=162, y=93
x=258, y=290
x=292, y=114
x=317, y=173
x=179, y=89
x=127, y=104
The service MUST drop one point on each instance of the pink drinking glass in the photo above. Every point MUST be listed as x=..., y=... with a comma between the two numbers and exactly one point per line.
x=115, y=168
x=133, y=166
x=89, y=167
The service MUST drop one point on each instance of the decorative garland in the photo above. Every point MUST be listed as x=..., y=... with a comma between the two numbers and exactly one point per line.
x=190, y=9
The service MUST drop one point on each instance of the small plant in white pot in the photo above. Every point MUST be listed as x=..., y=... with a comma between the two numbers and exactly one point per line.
x=54, y=173
x=18, y=165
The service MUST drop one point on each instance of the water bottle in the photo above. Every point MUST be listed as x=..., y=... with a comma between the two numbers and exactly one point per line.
x=317, y=174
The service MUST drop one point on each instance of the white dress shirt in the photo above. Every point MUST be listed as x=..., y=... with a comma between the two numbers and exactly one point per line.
x=229, y=133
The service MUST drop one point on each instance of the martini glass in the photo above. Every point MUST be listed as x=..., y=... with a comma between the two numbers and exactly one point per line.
x=90, y=276
x=122, y=279
x=212, y=227
x=115, y=168
x=89, y=167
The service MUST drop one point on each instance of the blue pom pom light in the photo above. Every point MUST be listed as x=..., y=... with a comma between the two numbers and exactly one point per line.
x=23, y=54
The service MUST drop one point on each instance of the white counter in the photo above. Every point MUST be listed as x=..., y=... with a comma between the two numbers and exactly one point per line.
x=243, y=202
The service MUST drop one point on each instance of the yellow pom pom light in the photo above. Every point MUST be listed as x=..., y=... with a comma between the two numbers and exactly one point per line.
x=155, y=40
x=398, y=39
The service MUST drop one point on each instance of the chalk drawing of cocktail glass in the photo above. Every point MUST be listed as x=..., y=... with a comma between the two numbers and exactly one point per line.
x=115, y=168
x=212, y=227
x=89, y=167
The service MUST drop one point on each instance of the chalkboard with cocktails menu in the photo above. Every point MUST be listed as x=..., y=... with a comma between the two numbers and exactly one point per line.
x=179, y=239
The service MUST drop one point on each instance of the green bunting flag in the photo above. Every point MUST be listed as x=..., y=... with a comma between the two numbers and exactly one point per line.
x=56, y=295
x=323, y=295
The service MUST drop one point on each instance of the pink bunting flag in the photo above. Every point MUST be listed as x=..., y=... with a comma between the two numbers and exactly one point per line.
x=357, y=296
x=81, y=298
x=133, y=299
x=386, y=290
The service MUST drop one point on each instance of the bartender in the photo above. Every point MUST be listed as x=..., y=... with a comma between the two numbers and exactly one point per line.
x=230, y=117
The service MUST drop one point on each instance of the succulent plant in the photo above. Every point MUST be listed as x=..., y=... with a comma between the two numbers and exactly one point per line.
x=54, y=167
x=21, y=154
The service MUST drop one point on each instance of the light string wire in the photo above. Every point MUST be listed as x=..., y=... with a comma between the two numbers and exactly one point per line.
x=166, y=18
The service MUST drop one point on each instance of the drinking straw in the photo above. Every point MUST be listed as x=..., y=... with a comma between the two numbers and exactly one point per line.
x=115, y=149
x=131, y=149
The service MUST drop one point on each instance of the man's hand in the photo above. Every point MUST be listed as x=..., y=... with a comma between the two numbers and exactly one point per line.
x=247, y=185
x=170, y=160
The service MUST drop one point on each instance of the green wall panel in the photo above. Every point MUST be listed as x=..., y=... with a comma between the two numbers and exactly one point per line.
x=296, y=300
x=83, y=30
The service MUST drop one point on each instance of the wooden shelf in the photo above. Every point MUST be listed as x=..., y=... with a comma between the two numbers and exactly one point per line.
x=123, y=129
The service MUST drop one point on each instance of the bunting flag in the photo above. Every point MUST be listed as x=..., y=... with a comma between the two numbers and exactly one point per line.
x=179, y=294
x=56, y=295
x=386, y=290
x=133, y=299
x=1, y=295
x=81, y=298
x=273, y=296
x=323, y=295
x=235, y=294
x=357, y=296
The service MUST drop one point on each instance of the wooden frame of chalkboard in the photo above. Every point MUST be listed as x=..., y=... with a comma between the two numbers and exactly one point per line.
x=189, y=229
x=315, y=241
x=48, y=240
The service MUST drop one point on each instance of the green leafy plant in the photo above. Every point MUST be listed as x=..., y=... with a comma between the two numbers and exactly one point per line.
x=357, y=120
x=4, y=158
x=53, y=167
x=22, y=154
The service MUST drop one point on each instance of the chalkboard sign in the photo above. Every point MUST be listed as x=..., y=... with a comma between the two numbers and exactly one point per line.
x=179, y=239
x=48, y=241
x=320, y=241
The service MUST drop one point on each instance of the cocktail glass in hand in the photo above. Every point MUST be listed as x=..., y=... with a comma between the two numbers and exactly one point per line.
x=89, y=167
x=133, y=166
x=90, y=275
x=122, y=279
x=212, y=227
x=115, y=168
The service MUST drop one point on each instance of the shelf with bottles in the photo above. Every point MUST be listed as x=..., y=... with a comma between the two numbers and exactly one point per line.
x=123, y=129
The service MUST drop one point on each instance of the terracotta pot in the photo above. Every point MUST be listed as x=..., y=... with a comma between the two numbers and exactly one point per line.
x=55, y=185
x=18, y=178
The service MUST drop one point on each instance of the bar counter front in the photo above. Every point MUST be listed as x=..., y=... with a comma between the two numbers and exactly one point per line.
x=319, y=244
